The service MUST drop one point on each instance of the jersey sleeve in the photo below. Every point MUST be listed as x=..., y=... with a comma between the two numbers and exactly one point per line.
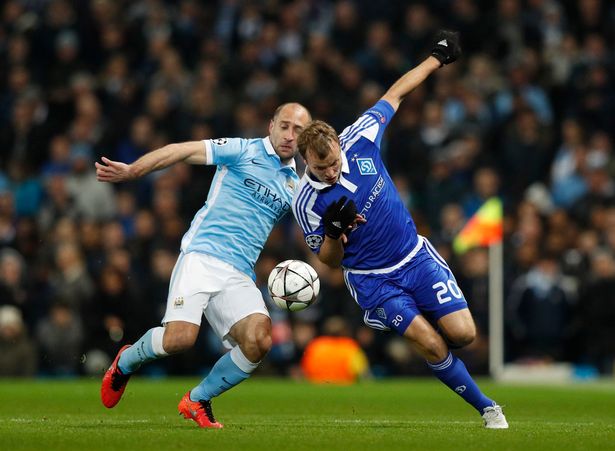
x=224, y=151
x=370, y=125
x=309, y=220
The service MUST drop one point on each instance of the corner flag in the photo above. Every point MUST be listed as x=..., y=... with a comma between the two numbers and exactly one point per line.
x=483, y=229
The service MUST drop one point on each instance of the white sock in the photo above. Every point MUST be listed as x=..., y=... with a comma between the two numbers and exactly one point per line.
x=242, y=361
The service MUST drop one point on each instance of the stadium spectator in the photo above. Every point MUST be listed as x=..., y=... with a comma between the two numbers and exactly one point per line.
x=93, y=201
x=595, y=314
x=486, y=184
x=524, y=152
x=539, y=312
x=112, y=320
x=13, y=288
x=71, y=283
x=60, y=336
x=18, y=357
x=22, y=139
x=59, y=203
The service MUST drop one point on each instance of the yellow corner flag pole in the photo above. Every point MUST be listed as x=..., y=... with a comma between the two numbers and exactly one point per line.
x=496, y=310
x=485, y=229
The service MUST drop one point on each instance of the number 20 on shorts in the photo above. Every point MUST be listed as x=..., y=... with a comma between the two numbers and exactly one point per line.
x=443, y=289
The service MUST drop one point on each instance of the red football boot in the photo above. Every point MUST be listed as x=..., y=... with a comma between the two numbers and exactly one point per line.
x=113, y=383
x=199, y=411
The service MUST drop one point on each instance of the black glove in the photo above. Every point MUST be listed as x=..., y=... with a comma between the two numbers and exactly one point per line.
x=446, y=48
x=338, y=216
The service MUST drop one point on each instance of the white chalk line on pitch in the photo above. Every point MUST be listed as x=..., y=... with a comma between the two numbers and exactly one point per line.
x=48, y=420
x=337, y=421
x=402, y=422
x=554, y=423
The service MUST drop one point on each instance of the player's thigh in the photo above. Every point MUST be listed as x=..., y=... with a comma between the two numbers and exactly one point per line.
x=192, y=283
x=240, y=299
x=458, y=327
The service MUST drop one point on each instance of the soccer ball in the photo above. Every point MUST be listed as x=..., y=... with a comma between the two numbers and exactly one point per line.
x=293, y=285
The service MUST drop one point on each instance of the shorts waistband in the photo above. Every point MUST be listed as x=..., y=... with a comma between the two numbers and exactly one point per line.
x=406, y=259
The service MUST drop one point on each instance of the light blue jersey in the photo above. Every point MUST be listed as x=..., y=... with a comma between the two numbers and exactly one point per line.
x=251, y=191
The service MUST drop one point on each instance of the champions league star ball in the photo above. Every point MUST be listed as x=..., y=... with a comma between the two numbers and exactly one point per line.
x=293, y=285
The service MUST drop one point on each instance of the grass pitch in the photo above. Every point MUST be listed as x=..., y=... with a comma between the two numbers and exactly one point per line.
x=274, y=414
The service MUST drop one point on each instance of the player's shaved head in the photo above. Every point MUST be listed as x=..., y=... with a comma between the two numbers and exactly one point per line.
x=279, y=109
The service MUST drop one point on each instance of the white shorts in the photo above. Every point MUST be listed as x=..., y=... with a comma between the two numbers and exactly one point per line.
x=202, y=284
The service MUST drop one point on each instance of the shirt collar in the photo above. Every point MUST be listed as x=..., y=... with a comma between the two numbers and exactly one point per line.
x=320, y=185
x=271, y=151
x=345, y=167
x=268, y=146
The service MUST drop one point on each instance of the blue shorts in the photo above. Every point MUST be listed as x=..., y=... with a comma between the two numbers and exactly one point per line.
x=423, y=286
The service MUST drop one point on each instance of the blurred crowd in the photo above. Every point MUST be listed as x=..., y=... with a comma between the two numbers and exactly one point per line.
x=527, y=114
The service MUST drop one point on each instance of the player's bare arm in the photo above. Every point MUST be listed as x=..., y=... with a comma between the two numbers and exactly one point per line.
x=446, y=50
x=408, y=82
x=332, y=250
x=192, y=152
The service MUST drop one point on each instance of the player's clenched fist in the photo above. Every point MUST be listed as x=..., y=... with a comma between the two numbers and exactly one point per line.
x=446, y=48
x=338, y=216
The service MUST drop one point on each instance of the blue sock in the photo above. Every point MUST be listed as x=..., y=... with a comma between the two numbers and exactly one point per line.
x=224, y=375
x=454, y=374
x=145, y=349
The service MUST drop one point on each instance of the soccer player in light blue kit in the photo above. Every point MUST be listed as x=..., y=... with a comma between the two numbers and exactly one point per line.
x=352, y=215
x=214, y=274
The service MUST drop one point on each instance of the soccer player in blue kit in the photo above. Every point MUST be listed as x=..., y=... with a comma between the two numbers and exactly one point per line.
x=351, y=215
x=214, y=274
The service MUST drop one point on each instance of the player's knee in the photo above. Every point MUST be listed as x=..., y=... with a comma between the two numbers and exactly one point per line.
x=257, y=344
x=264, y=344
x=466, y=338
x=462, y=337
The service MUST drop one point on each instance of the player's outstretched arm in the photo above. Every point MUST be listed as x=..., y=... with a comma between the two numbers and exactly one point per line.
x=446, y=49
x=192, y=152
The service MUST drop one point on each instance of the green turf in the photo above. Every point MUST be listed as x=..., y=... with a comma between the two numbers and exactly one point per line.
x=268, y=414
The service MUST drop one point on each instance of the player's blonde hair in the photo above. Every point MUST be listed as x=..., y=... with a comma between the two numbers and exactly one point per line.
x=317, y=137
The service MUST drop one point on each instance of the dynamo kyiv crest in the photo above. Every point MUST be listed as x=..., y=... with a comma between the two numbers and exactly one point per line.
x=366, y=166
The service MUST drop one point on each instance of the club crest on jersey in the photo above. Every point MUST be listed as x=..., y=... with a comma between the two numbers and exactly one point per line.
x=290, y=185
x=178, y=302
x=219, y=141
x=313, y=241
x=366, y=166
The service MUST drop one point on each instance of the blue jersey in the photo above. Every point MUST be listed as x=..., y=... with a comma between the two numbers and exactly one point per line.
x=251, y=191
x=389, y=235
